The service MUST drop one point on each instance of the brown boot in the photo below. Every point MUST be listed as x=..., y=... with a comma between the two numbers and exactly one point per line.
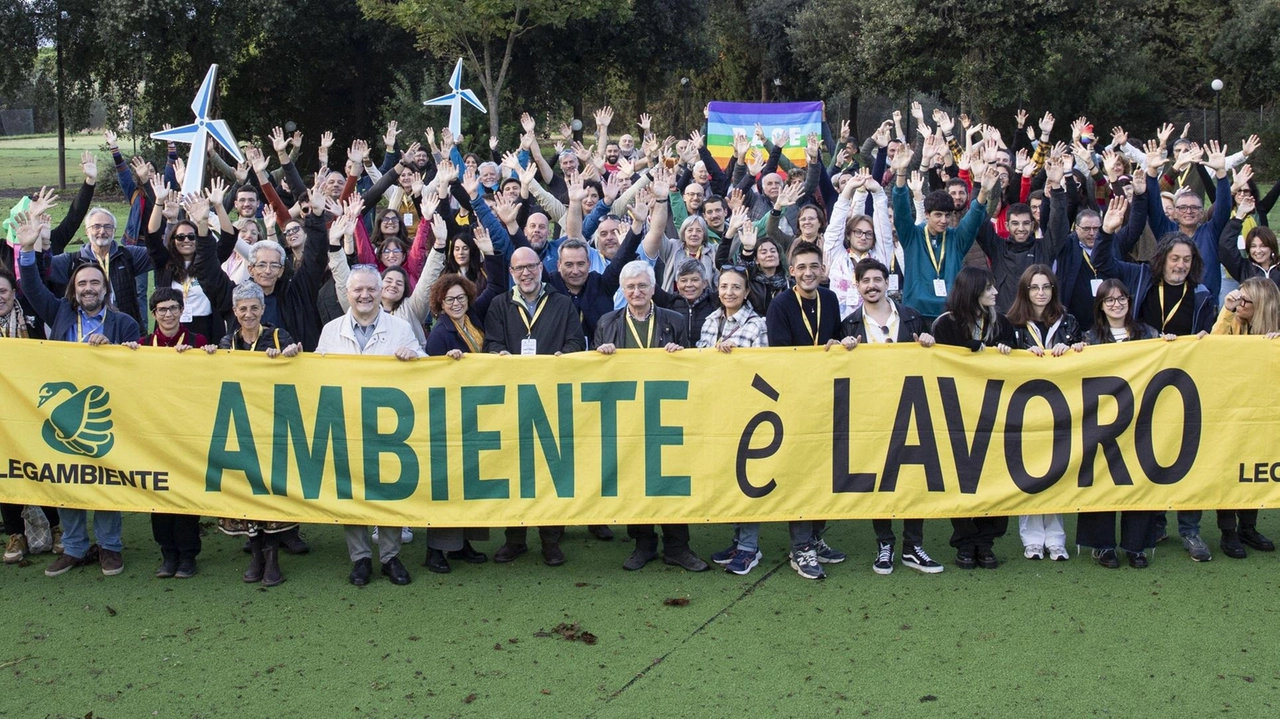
x=254, y=572
x=271, y=575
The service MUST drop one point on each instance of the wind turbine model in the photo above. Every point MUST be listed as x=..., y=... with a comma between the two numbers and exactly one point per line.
x=454, y=99
x=197, y=134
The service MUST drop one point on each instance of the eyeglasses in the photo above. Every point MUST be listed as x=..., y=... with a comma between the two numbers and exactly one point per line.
x=885, y=331
x=733, y=268
x=1115, y=301
x=167, y=310
x=1088, y=228
x=293, y=230
x=636, y=288
x=391, y=218
x=1188, y=208
x=99, y=228
x=1040, y=288
x=521, y=269
x=365, y=267
x=1245, y=301
x=455, y=300
x=392, y=251
x=184, y=237
x=863, y=234
x=269, y=265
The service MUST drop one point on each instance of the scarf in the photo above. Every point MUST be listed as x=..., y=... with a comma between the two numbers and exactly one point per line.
x=470, y=333
x=15, y=325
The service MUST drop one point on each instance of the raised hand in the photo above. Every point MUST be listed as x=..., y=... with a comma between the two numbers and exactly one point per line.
x=755, y=162
x=197, y=207
x=172, y=205
x=916, y=183
x=255, y=158
x=945, y=123
x=1054, y=170
x=844, y=129
x=1240, y=178
x=626, y=168
x=604, y=116
x=179, y=171
x=141, y=168
x=446, y=173
x=883, y=134
x=811, y=148
x=1245, y=204
x=646, y=122
x=577, y=192
x=748, y=235
x=389, y=137
x=43, y=201
x=217, y=191
x=356, y=154
x=737, y=218
x=1250, y=145
x=268, y=217
x=696, y=139
x=278, y=141
x=741, y=143
x=789, y=196
x=735, y=200
x=471, y=182
x=1119, y=138
x=901, y=161
x=1109, y=158
x=1021, y=117
x=1155, y=156
x=1164, y=133
x=506, y=210
x=28, y=230
x=89, y=166
x=1046, y=123
x=661, y=184
x=430, y=134
x=242, y=172
x=1114, y=218
x=1217, y=158
x=610, y=187
x=110, y=137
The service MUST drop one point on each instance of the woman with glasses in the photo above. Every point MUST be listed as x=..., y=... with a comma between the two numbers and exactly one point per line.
x=388, y=245
x=972, y=321
x=1251, y=309
x=851, y=238
x=459, y=330
x=1042, y=326
x=1114, y=322
x=252, y=335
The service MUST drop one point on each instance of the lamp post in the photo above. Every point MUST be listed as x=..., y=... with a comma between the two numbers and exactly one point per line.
x=1217, y=108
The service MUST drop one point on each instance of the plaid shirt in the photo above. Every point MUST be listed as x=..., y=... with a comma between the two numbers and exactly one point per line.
x=744, y=329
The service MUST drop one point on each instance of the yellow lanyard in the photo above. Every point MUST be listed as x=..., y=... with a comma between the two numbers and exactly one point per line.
x=817, y=300
x=80, y=325
x=186, y=288
x=936, y=260
x=631, y=326
x=1088, y=261
x=155, y=338
x=529, y=322
x=254, y=347
x=1176, y=305
x=1035, y=334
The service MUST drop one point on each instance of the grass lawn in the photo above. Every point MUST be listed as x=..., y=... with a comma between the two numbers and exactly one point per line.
x=1029, y=639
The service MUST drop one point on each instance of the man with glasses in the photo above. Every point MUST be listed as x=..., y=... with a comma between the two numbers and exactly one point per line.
x=1188, y=211
x=642, y=325
x=531, y=319
x=291, y=302
x=123, y=264
x=1078, y=275
x=84, y=315
x=880, y=320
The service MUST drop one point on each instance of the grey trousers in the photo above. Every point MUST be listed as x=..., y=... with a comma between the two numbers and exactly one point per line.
x=360, y=546
x=450, y=540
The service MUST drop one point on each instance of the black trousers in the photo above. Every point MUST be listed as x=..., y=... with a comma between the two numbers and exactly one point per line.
x=15, y=524
x=547, y=535
x=1097, y=530
x=177, y=534
x=675, y=537
x=912, y=531
x=1227, y=519
x=974, y=533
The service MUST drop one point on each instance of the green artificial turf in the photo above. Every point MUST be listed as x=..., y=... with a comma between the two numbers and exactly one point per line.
x=1029, y=639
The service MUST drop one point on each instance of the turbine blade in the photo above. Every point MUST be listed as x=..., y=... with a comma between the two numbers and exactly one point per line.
x=447, y=99
x=204, y=98
x=455, y=80
x=221, y=133
x=470, y=97
x=186, y=133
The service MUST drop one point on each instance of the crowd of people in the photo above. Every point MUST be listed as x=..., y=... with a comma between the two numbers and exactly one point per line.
x=949, y=235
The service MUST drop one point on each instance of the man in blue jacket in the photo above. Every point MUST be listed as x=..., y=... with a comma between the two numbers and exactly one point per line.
x=82, y=316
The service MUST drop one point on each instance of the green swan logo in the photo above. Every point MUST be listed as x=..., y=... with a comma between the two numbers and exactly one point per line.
x=80, y=424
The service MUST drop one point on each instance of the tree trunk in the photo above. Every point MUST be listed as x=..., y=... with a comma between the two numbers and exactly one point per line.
x=853, y=117
x=491, y=102
x=62, y=126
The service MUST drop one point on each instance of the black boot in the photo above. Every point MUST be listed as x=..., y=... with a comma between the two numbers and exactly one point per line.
x=1250, y=535
x=292, y=541
x=271, y=575
x=437, y=562
x=469, y=554
x=256, y=560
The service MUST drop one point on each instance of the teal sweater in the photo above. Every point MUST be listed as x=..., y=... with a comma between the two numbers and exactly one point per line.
x=917, y=269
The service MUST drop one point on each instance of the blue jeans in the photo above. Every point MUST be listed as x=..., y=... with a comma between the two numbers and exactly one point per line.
x=75, y=531
x=1188, y=522
x=747, y=537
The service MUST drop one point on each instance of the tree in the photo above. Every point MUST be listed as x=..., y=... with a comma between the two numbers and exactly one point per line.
x=483, y=32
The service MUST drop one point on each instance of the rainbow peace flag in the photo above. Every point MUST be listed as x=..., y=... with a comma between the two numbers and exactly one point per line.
x=797, y=118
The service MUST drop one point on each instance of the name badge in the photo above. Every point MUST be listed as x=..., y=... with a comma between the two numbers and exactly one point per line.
x=893, y=283
x=528, y=346
x=940, y=287
x=408, y=219
x=1094, y=285
x=186, y=317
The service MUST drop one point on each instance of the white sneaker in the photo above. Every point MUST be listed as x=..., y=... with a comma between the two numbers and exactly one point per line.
x=1058, y=554
x=406, y=535
x=1033, y=552
x=375, y=535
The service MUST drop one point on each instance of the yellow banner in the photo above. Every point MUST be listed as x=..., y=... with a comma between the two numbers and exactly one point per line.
x=642, y=436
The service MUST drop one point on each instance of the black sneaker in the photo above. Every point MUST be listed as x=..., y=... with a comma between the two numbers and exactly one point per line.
x=1107, y=558
x=917, y=559
x=168, y=567
x=805, y=562
x=884, y=560
x=987, y=558
x=1138, y=560
x=186, y=568
x=965, y=559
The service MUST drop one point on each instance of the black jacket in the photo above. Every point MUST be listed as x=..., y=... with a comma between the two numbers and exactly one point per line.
x=910, y=325
x=948, y=331
x=557, y=328
x=668, y=327
x=694, y=313
x=295, y=296
x=1065, y=331
x=1241, y=268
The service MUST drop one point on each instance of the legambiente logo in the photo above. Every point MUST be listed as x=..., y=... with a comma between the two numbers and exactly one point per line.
x=80, y=423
